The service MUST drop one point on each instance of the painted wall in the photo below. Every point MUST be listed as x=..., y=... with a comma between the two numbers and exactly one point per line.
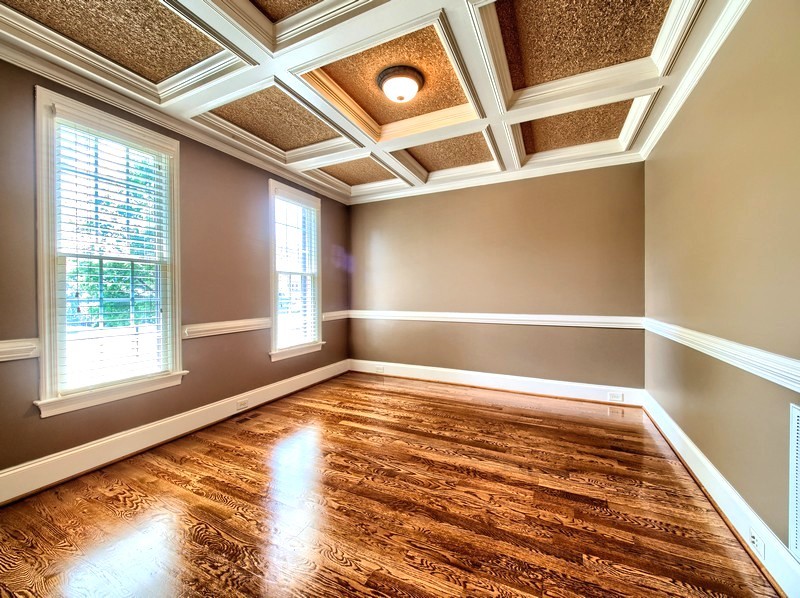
x=225, y=276
x=564, y=244
x=722, y=212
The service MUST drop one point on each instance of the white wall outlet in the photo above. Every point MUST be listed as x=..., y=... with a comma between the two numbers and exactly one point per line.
x=616, y=397
x=241, y=404
x=756, y=543
x=378, y=369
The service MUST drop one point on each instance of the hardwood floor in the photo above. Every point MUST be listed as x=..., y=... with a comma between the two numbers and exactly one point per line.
x=376, y=486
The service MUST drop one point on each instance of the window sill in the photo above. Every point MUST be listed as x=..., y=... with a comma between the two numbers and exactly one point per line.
x=295, y=351
x=106, y=394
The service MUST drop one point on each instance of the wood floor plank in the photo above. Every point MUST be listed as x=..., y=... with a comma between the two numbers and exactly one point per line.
x=373, y=486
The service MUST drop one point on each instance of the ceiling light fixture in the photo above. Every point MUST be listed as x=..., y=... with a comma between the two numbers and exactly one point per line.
x=400, y=83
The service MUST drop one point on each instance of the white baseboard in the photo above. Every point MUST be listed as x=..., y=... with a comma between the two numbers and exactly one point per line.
x=538, y=386
x=32, y=476
x=780, y=563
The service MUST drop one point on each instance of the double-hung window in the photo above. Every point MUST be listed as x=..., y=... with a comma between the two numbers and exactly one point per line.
x=108, y=264
x=294, y=230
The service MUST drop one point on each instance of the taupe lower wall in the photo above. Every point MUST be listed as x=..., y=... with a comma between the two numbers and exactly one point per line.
x=589, y=355
x=225, y=276
x=565, y=244
x=738, y=420
x=722, y=252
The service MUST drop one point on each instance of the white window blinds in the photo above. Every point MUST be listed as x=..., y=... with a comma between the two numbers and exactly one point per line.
x=113, y=259
x=296, y=273
x=108, y=264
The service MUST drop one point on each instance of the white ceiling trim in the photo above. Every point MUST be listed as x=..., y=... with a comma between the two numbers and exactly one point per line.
x=259, y=52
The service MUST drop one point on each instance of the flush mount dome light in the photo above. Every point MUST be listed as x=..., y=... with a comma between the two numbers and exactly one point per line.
x=400, y=83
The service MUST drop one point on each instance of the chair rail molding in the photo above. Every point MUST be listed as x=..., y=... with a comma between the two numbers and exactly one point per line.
x=228, y=327
x=776, y=368
x=19, y=349
x=578, y=321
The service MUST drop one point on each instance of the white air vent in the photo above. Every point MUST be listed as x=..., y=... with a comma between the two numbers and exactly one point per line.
x=794, y=483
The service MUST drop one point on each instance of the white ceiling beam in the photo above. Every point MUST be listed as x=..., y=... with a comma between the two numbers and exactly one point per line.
x=258, y=53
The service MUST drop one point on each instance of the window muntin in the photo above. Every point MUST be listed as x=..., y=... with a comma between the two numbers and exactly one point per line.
x=108, y=263
x=296, y=280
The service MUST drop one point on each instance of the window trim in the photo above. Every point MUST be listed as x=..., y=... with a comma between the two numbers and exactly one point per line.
x=276, y=188
x=50, y=105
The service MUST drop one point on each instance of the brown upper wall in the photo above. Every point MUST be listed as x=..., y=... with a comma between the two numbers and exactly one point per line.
x=723, y=192
x=224, y=241
x=722, y=253
x=224, y=276
x=563, y=244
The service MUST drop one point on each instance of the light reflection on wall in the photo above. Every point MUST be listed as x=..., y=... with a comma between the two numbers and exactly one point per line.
x=294, y=484
x=141, y=562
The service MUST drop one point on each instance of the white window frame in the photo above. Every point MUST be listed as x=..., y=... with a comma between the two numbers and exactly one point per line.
x=49, y=106
x=278, y=189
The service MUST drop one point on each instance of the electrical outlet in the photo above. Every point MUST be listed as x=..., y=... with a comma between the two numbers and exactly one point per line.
x=378, y=369
x=241, y=404
x=616, y=397
x=756, y=543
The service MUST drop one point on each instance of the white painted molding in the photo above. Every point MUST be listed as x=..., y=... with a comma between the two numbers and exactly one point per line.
x=282, y=354
x=257, y=52
x=229, y=327
x=330, y=316
x=603, y=86
x=51, y=46
x=633, y=322
x=729, y=16
x=780, y=563
x=40, y=473
x=677, y=21
x=19, y=349
x=779, y=369
x=524, y=384
x=106, y=394
x=316, y=18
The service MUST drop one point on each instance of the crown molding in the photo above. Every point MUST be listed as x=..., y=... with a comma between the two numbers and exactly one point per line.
x=258, y=53
x=633, y=122
x=483, y=15
x=420, y=126
x=325, y=153
x=317, y=18
x=192, y=79
x=336, y=96
x=727, y=17
x=677, y=23
x=605, y=86
x=19, y=31
x=216, y=23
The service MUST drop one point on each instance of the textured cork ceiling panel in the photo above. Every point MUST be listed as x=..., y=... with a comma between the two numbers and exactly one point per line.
x=575, y=128
x=276, y=118
x=547, y=40
x=143, y=36
x=359, y=172
x=452, y=153
x=275, y=10
x=421, y=49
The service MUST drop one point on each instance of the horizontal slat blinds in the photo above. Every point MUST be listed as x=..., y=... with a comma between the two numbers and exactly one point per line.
x=113, y=260
x=297, y=278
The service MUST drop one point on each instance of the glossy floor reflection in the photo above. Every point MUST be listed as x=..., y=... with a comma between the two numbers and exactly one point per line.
x=365, y=485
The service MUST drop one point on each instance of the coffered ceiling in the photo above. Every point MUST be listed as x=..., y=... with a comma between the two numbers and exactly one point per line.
x=513, y=88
